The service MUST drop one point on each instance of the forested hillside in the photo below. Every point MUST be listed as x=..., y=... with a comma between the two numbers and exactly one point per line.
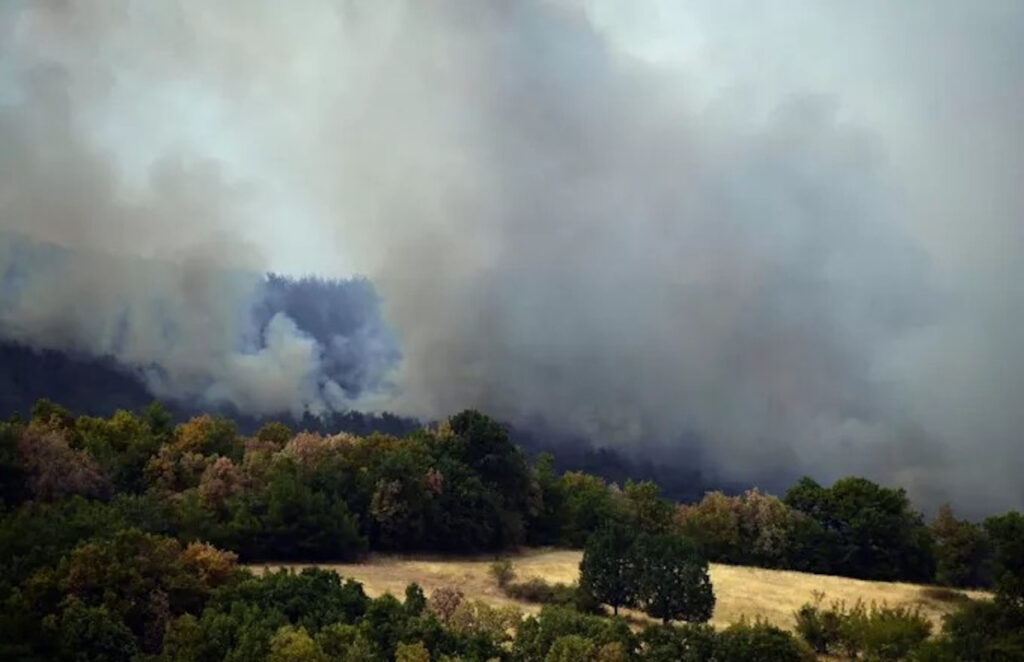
x=121, y=535
x=100, y=387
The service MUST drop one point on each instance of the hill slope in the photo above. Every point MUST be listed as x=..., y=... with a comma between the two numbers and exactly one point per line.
x=741, y=591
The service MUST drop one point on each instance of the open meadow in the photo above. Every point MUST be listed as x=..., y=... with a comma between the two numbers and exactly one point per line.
x=772, y=595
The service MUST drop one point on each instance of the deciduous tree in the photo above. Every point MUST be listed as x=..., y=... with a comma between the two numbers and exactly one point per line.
x=673, y=579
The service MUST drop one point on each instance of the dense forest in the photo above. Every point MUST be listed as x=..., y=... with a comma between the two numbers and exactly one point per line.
x=122, y=538
x=101, y=386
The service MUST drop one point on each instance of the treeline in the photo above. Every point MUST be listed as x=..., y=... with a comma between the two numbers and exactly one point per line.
x=461, y=486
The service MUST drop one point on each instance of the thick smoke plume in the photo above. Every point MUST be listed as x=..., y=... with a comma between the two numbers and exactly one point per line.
x=199, y=334
x=766, y=240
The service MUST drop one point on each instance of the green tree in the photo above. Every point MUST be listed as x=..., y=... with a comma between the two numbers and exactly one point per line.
x=415, y=601
x=961, y=551
x=288, y=519
x=483, y=444
x=673, y=579
x=416, y=652
x=983, y=631
x=93, y=634
x=291, y=644
x=1006, y=533
x=588, y=504
x=275, y=432
x=867, y=530
x=158, y=420
x=50, y=414
x=122, y=444
x=545, y=521
x=645, y=510
x=609, y=569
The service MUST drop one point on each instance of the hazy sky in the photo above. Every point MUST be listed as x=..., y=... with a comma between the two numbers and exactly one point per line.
x=791, y=230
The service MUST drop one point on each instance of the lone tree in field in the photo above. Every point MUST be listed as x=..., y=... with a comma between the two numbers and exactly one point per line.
x=673, y=579
x=609, y=567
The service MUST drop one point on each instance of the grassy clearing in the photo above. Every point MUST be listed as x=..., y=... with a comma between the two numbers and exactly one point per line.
x=740, y=591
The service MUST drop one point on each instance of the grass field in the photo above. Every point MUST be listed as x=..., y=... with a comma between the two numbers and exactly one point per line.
x=740, y=591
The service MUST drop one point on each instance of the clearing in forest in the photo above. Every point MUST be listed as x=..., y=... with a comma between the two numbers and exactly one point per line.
x=740, y=591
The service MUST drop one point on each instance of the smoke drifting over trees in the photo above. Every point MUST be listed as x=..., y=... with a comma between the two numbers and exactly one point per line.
x=788, y=236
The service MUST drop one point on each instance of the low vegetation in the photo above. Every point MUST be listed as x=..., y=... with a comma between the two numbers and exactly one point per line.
x=121, y=538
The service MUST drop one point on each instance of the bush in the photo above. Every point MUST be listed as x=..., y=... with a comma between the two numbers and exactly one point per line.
x=570, y=648
x=820, y=628
x=561, y=595
x=890, y=633
x=503, y=572
x=678, y=643
x=759, y=641
x=983, y=630
x=880, y=632
x=537, y=634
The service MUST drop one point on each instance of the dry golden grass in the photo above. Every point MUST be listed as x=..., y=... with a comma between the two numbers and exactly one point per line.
x=772, y=595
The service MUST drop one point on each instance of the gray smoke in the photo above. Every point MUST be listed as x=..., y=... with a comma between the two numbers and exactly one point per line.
x=790, y=231
x=153, y=267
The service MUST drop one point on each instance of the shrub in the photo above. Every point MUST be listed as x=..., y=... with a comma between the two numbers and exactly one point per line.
x=759, y=641
x=476, y=617
x=880, y=632
x=679, y=643
x=539, y=591
x=983, y=630
x=818, y=627
x=503, y=572
x=536, y=635
x=562, y=595
x=570, y=648
x=891, y=633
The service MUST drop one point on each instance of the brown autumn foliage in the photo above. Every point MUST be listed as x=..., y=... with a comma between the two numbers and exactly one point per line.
x=171, y=470
x=220, y=481
x=214, y=566
x=55, y=470
x=311, y=450
x=759, y=524
x=444, y=601
x=205, y=435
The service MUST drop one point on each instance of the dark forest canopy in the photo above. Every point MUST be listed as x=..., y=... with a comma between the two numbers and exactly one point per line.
x=461, y=485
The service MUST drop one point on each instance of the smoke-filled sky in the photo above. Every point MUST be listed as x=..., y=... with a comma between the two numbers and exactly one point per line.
x=789, y=233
